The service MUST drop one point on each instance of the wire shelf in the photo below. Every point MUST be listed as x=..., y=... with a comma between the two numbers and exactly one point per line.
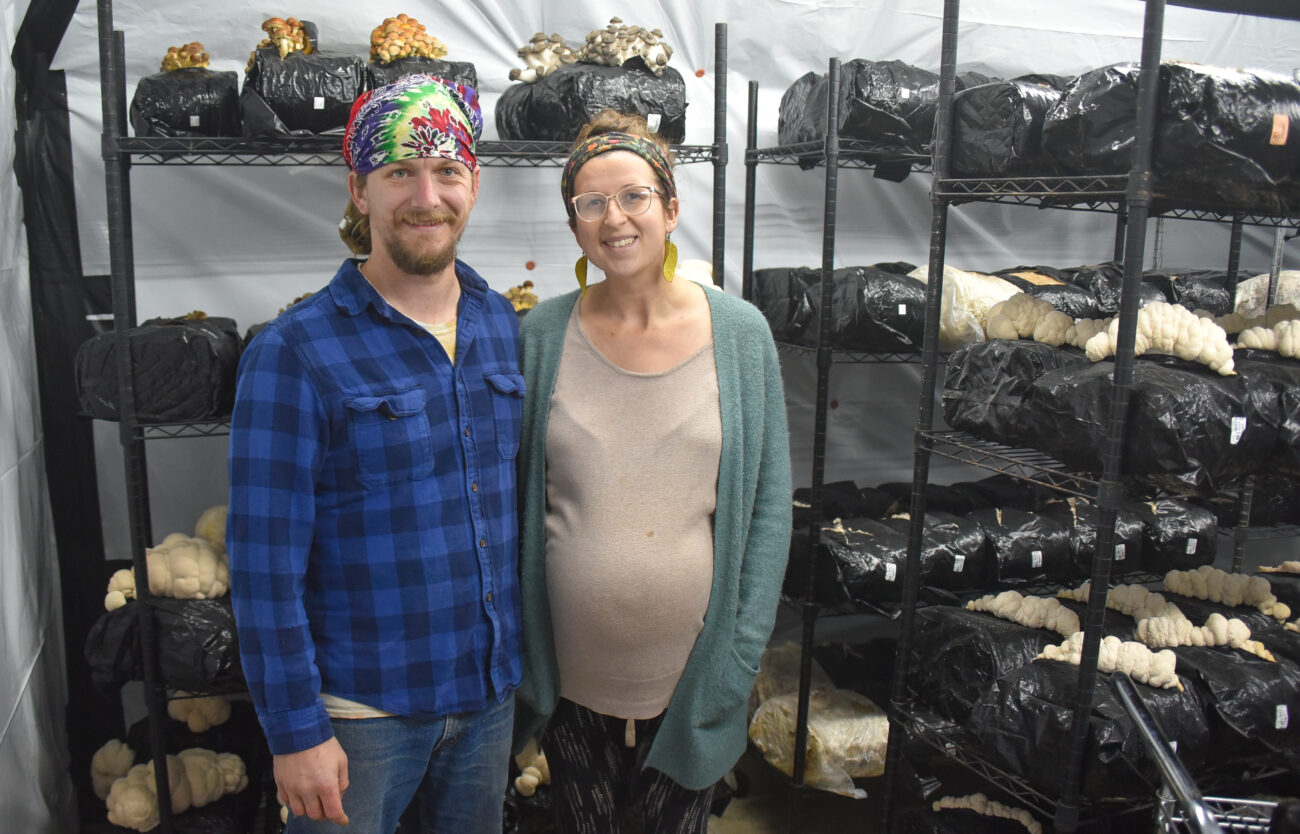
x=1241, y=816
x=168, y=431
x=848, y=357
x=853, y=153
x=1091, y=193
x=326, y=150
x=1025, y=464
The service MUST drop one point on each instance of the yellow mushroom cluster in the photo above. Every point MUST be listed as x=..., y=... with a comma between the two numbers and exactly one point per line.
x=286, y=35
x=522, y=296
x=403, y=37
x=182, y=57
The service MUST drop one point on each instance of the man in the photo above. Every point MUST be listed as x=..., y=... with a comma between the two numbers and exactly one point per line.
x=372, y=531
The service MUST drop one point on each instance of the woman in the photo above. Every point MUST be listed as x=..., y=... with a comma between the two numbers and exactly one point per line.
x=655, y=477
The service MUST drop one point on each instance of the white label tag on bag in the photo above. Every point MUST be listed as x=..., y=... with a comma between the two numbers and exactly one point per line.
x=958, y=562
x=318, y=103
x=652, y=121
x=904, y=94
x=902, y=309
x=195, y=120
x=891, y=571
x=1283, y=719
x=1238, y=429
x=1191, y=546
x=1119, y=553
x=1036, y=559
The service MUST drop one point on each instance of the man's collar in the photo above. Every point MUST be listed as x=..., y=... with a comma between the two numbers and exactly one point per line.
x=352, y=293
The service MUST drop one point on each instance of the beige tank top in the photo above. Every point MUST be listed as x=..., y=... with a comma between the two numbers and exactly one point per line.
x=631, y=488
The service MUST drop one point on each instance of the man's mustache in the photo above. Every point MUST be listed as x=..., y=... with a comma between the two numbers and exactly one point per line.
x=426, y=219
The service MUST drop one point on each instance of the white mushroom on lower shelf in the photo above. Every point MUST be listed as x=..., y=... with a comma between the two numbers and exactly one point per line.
x=1034, y=612
x=1158, y=669
x=981, y=804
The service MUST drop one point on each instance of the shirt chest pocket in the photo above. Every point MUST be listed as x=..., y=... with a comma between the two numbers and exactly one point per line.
x=507, y=391
x=390, y=436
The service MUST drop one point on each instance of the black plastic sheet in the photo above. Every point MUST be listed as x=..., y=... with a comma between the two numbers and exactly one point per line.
x=953, y=552
x=840, y=499
x=958, y=654
x=1081, y=518
x=873, y=310
x=381, y=75
x=1286, y=587
x=1023, y=723
x=112, y=649
x=1176, y=535
x=184, y=370
x=194, y=101
x=198, y=649
x=1255, y=700
x=782, y=294
x=940, y=497
x=1001, y=491
x=987, y=382
x=997, y=129
x=300, y=94
x=1024, y=547
x=830, y=593
x=869, y=556
x=1076, y=302
x=1113, y=624
x=1195, y=289
x=1214, y=128
x=1188, y=427
x=555, y=107
x=1104, y=281
x=1276, y=500
x=887, y=103
x=1284, y=377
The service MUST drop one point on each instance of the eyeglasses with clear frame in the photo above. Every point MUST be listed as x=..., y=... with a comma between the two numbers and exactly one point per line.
x=632, y=201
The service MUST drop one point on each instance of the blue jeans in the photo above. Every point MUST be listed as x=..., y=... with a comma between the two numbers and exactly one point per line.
x=459, y=764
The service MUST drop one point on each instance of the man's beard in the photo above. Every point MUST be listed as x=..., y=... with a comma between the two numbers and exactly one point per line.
x=422, y=262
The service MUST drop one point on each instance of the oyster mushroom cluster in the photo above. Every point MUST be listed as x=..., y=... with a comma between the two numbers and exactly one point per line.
x=403, y=37
x=617, y=43
x=542, y=56
x=181, y=57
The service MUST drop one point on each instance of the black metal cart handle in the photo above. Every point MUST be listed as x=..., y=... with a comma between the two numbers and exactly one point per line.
x=1175, y=775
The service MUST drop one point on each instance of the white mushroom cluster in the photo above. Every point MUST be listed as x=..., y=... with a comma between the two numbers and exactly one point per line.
x=618, y=43
x=1170, y=329
x=1157, y=669
x=542, y=56
x=1078, y=334
x=1289, y=566
x=1282, y=338
x=1234, y=589
x=981, y=804
x=533, y=770
x=196, y=777
x=1238, y=322
x=1034, y=612
x=1024, y=316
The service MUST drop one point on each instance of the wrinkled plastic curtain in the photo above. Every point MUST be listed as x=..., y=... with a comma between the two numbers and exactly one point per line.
x=35, y=794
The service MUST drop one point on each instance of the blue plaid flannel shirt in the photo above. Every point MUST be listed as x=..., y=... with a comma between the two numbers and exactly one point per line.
x=372, y=533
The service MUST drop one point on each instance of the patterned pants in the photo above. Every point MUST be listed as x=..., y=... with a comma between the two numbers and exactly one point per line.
x=597, y=780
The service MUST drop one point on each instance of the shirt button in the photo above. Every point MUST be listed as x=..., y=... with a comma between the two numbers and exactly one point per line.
x=473, y=487
x=482, y=542
x=467, y=431
x=488, y=597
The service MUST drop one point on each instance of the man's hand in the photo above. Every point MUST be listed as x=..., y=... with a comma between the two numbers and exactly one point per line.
x=312, y=781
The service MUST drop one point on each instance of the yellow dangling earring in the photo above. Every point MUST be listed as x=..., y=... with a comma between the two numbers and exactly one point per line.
x=670, y=260
x=580, y=269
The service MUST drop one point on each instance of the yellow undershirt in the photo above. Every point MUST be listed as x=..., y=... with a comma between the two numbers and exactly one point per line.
x=446, y=336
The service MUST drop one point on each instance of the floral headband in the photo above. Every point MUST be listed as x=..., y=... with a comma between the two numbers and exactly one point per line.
x=614, y=141
x=419, y=116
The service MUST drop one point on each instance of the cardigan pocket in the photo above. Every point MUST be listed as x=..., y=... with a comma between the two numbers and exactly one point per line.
x=729, y=697
x=390, y=436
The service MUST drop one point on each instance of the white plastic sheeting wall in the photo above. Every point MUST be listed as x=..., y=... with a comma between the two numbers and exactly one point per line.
x=35, y=792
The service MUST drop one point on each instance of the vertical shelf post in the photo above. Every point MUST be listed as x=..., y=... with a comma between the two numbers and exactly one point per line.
x=751, y=172
x=1138, y=201
x=719, y=152
x=941, y=164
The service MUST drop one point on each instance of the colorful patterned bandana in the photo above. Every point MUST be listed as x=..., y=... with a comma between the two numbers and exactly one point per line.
x=603, y=142
x=417, y=117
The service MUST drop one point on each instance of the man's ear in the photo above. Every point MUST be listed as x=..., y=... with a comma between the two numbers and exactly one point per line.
x=357, y=191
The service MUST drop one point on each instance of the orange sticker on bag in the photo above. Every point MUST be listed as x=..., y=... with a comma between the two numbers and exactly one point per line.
x=1281, y=127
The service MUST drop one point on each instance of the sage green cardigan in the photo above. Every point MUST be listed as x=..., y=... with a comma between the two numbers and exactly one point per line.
x=704, y=727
